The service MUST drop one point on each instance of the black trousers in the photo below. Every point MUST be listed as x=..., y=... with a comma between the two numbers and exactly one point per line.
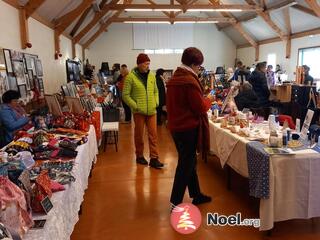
x=186, y=173
x=127, y=111
x=159, y=114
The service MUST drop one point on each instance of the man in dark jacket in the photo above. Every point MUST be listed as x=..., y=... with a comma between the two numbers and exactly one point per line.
x=162, y=94
x=259, y=84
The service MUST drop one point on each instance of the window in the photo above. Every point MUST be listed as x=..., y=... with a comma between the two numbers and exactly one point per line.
x=272, y=59
x=310, y=57
x=163, y=51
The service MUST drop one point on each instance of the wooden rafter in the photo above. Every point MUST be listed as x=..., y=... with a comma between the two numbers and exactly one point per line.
x=275, y=6
x=164, y=19
x=293, y=36
x=286, y=13
x=80, y=21
x=97, y=17
x=63, y=22
x=184, y=7
x=314, y=5
x=104, y=26
x=266, y=17
x=164, y=12
x=32, y=6
x=305, y=10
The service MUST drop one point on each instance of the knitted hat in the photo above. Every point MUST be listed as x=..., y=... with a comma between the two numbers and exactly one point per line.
x=142, y=58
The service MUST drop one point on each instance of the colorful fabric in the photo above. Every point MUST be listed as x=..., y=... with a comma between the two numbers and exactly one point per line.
x=141, y=98
x=258, y=167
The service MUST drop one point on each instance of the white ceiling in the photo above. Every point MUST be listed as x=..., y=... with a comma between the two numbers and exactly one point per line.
x=256, y=28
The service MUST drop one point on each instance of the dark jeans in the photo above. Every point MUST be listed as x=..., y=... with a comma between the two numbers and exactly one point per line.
x=127, y=111
x=186, y=173
x=160, y=113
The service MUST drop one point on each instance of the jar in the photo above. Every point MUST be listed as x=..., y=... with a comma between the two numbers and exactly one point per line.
x=273, y=139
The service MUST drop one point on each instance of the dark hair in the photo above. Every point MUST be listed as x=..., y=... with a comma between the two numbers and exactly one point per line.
x=124, y=66
x=261, y=65
x=239, y=63
x=270, y=66
x=10, y=95
x=159, y=72
x=191, y=56
x=306, y=67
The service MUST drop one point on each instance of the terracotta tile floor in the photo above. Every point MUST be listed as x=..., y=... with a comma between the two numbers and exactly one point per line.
x=126, y=201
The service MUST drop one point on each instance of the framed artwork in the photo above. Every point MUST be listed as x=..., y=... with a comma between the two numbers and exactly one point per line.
x=39, y=69
x=53, y=104
x=25, y=66
x=31, y=81
x=12, y=82
x=4, y=84
x=28, y=83
x=33, y=66
x=65, y=90
x=7, y=58
x=28, y=58
x=18, y=68
x=16, y=55
x=23, y=91
x=74, y=105
x=41, y=86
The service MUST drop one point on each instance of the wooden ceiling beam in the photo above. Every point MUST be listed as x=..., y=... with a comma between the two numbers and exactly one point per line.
x=266, y=17
x=104, y=26
x=80, y=21
x=163, y=19
x=24, y=29
x=305, y=10
x=63, y=22
x=97, y=17
x=286, y=13
x=187, y=6
x=314, y=5
x=164, y=12
x=32, y=6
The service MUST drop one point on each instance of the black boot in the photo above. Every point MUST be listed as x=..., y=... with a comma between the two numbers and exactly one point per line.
x=155, y=163
x=201, y=198
x=141, y=160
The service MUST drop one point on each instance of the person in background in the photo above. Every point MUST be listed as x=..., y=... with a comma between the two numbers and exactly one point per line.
x=162, y=94
x=115, y=72
x=246, y=97
x=239, y=67
x=12, y=115
x=120, y=83
x=259, y=84
x=270, y=75
x=308, y=80
x=188, y=123
x=140, y=92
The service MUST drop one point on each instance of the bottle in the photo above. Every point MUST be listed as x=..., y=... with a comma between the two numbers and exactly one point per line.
x=284, y=138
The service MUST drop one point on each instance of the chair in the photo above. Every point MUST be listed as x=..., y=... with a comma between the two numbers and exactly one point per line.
x=113, y=129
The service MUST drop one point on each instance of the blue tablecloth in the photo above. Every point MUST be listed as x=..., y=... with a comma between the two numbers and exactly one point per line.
x=258, y=168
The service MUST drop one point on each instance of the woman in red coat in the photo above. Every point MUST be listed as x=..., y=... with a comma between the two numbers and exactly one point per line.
x=188, y=123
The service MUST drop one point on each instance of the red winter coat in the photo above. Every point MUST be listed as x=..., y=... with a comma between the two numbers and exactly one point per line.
x=186, y=106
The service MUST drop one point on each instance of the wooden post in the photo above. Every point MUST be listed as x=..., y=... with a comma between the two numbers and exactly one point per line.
x=24, y=30
x=257, y=53
x=56, y=44
x=73, y=50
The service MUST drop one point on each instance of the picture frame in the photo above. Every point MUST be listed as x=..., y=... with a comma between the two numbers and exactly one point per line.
x=4, y=84
x=7, y=58
x=12, y=82
x=65, y=90
x=18, y=69
x=31, y=80
x=25, y=66
x=53, y=104
x=74, y=105
x=28, y=83
x=28, y=58
x=39, y=68
x=16, y=55
x=23, y=91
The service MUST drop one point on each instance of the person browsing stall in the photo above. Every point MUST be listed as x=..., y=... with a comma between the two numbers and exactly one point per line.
x=188, y=123
x=162, y=94
x=140, y=92
x=12, y=115
x=308, y=80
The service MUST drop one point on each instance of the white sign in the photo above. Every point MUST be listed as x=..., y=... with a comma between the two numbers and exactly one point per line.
x=306, y=124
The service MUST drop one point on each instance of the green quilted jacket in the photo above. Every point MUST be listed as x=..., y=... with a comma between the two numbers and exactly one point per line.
x=140, y=98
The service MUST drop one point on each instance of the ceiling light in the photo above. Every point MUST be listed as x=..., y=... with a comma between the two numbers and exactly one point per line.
x=166, y=22
x=167, y=10
x=135, y=22
x=214, y=10
x=207, y=21
x=138, y=10
x=184, y=22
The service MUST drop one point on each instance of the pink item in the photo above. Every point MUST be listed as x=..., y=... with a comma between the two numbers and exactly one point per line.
x=56, y=187
x=13, y=204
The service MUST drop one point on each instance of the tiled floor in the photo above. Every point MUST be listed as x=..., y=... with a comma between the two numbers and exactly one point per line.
x=126, y=201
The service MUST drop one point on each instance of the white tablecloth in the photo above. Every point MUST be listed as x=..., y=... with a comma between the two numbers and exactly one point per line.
x=66, y=204
x=293, y=180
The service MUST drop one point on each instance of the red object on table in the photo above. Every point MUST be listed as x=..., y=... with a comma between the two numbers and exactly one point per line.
x=283, y=118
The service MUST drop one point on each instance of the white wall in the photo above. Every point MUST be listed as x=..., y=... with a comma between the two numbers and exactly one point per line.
x=116, y=46
x=247, y=55
x=42, y=39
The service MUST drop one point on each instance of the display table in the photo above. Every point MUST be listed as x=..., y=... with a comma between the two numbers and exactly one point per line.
x=293, y=179
x=282, y=92
x=66, y=204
